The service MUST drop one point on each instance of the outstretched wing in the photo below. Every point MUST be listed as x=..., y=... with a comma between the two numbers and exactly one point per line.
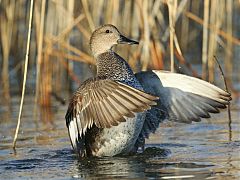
x=104, y=103
x=181, y=98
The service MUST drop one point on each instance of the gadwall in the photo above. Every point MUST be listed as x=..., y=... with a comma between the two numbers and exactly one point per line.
x=115, y=111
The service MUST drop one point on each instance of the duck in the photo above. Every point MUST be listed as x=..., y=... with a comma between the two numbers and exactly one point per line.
x=115, y=111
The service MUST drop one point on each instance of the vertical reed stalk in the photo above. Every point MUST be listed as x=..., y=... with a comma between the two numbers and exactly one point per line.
x=25, y=73
x=146, y=44
x=88, y=15
x=205, y=39
x=229, y=105
x=70, y=21
x=216, y=20
x=6, y=29
x=228, y=60
x=212, y=39
x=172, y=7
x=39, y=55
x=185, y=29
x=228, y=57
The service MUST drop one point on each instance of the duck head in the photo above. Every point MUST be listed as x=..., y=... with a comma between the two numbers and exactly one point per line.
x=105, y=37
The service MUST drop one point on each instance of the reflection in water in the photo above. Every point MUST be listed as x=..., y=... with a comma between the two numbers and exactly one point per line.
x=229, y=123
x=144, y=165
x=46, y=115
x=111, y=167
x=119, y=166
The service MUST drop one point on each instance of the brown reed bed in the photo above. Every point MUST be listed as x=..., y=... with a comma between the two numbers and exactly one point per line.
x=169, y=31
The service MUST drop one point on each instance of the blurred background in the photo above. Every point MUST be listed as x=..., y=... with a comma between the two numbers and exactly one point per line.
x=189, y=32
x=185, y=36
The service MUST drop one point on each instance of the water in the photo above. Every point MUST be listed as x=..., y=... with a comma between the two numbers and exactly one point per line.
x=205, y=150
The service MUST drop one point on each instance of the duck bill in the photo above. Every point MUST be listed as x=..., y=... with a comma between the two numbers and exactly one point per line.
x=124, y=40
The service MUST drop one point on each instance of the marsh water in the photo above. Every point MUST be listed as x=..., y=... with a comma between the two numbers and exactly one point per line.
x=209, y=149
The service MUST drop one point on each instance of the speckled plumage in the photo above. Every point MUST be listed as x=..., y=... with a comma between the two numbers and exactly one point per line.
x=113, y=66
x=111, y=114
x=118, y=111
x=118, y=139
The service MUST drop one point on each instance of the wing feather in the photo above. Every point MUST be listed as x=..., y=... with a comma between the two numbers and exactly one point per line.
x=105, y=103
x=182, y=98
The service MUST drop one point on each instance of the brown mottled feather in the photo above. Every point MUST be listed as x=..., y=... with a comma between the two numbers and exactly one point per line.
x=106, y=103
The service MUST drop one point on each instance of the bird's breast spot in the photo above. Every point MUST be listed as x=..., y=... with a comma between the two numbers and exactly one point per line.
x=114, y=145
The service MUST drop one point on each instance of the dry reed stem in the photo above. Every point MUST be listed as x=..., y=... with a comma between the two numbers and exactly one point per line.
x=88, y=15
x=157, y=59
x=109, y=12
x=88, y=59
x=6, y=29
x=64, y=23
x=225, y=35
x=70, y=57
x=39, y=55
x=59, y=39
x=85, y=33
x=184, y=29
x=25, y=74
x=48, y=67
x=215, y=19
x=115, y=12
x=69, y=28
x=70, y=72
x=46, y=77
x=135, y=56
x=177, y=45
x=85, y=57
x=172, y=7
x=205, y=39
x=37, y=15
x=145, y=53
x=182, y=60
x=97, y=11
x=142, y=43
x=212, y=39
x=228, y=52
x=179, y=11
x=229, y=105
x=160, y=54
x=71, y=23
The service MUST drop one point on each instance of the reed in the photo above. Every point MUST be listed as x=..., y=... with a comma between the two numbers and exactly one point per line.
x=169, y=31
x=6, y=29
x=229, y=44
x=172, y=7
x=39, y=26
x=25, y=74
x=205, y=39
x=212, y=38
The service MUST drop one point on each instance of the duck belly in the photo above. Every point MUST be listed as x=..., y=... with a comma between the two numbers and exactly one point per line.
x=117, y=139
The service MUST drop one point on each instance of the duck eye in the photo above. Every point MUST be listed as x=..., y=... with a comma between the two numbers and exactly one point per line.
x=107, y=31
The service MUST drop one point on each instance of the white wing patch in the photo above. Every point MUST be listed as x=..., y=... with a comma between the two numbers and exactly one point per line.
x=73, y=132
x=192, y=85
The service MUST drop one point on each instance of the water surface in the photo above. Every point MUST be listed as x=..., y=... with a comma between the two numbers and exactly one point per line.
x=209, y=149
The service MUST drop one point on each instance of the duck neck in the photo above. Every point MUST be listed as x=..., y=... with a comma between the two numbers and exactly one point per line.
x=113, y=66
